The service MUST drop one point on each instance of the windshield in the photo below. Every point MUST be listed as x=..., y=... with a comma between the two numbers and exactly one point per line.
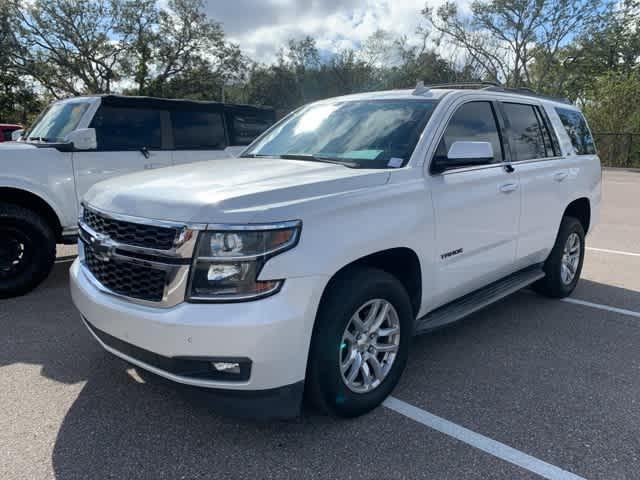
x=56, y=121
x=364, y=134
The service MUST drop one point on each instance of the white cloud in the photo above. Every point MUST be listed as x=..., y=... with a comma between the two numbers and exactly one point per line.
x=261, y=27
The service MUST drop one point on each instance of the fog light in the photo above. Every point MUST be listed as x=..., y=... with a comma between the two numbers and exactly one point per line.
x=227, y=367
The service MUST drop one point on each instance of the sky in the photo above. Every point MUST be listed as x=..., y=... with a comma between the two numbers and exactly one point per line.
x=261, y=27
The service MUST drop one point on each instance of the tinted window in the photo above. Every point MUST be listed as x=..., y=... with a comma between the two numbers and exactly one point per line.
x=6, y=134
x=546, y=134
x=578, y=131
x=247, y=127
x=473, y=122
x=120, y=128
x=194, y=130
x=525, y=133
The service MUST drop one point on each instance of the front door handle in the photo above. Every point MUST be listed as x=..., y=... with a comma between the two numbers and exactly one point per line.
x=560, y=176
x=508, y=187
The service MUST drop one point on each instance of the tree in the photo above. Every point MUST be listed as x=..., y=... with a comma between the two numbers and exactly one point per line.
x=70, y=46
x=139, y=27
x=17, y=97
x=505, y=37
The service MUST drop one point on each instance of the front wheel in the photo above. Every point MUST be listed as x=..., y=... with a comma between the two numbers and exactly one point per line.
x=27, y=250
x=360, y=343
x=564, y=265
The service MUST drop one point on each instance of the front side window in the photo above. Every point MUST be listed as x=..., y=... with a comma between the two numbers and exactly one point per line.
x=578, y=131
x=57, y=121
x=122, y=128
x=359, y=134
x=525, y=132
x=472, y=122
x=194, y=130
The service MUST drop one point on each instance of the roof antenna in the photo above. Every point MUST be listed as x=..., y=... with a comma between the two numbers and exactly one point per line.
x=420, y=88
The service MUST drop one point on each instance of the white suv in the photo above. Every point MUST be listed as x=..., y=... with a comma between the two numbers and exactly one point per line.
x=77, y=142
x=351, y=225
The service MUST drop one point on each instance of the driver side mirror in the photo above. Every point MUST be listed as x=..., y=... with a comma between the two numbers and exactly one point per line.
x=83, y=139
x=17, y=135
x=463, y=154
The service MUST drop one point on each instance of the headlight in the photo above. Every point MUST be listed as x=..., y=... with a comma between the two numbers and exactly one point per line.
x=228, y=261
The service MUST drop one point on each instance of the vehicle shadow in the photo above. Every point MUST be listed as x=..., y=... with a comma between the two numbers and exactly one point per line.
x=43, y=328
x=125, y=425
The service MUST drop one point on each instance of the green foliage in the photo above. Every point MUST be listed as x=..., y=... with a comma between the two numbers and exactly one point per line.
x=614, y=103
x=586, y=50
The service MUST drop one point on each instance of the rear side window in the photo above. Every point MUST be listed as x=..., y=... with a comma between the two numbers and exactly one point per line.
x=193, y=130
x=526, y=132
x=246, y=127
x=6, y=134
x=472, y=122
x=120, y=128
x=578, y=131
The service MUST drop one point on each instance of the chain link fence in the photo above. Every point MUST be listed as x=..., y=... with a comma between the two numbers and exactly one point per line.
x=618, y=149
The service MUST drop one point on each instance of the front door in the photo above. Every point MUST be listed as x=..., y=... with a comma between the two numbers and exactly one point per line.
x=476, y=208
x=130, y=139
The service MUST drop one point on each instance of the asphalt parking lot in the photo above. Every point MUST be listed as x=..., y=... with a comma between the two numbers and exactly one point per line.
x=527, y=388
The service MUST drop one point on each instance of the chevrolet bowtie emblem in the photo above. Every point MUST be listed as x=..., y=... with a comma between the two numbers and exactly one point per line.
x=102, y=246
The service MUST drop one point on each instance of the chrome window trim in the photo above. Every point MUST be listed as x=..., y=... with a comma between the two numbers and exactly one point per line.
x=495, y=165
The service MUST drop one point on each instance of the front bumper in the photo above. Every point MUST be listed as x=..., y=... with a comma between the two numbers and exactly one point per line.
x=273, y=333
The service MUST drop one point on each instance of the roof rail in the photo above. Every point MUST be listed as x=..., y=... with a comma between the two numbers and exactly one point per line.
x=491, y=87
x=463, y=85
x=529, y=93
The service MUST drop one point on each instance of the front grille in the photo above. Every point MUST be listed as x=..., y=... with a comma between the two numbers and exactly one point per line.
x=135, y=234
x=128, y=279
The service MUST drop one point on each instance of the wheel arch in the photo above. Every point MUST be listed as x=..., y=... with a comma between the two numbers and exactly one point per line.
x=581, y=210
x=34, y=202
x=401, y=262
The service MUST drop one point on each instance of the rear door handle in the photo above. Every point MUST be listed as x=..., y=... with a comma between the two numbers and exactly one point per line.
x=508, y=187
x=560, y=176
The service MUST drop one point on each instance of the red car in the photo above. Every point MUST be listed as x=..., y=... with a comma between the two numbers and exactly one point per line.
x=6, y=129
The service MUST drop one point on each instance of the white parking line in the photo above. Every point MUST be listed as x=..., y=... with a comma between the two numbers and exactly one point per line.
x=617, y=252
x=65, y=260
x=599, y=306
x=486, y=444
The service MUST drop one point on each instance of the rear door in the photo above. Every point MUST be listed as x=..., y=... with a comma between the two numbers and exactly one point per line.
x=130, y=139
x=476, y=208
x=543, y=178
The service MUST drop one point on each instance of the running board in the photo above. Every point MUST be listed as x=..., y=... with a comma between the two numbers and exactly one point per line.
x=479, y=299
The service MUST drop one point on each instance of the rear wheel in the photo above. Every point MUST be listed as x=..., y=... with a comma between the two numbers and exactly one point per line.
x=564, y=265
x=27, y=250
x=360, y=343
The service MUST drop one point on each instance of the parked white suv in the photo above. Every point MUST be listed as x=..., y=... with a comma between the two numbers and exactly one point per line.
x=351, y=225
x=77, y=142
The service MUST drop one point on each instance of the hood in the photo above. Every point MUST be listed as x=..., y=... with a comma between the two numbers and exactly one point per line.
x=235, y=190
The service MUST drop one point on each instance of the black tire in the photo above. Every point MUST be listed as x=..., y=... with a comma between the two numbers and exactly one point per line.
x=346, y=293
x=552, y=284
x=27, y=250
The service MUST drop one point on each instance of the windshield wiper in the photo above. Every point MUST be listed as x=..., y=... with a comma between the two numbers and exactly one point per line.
x=40, y=139
x=319, y=158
